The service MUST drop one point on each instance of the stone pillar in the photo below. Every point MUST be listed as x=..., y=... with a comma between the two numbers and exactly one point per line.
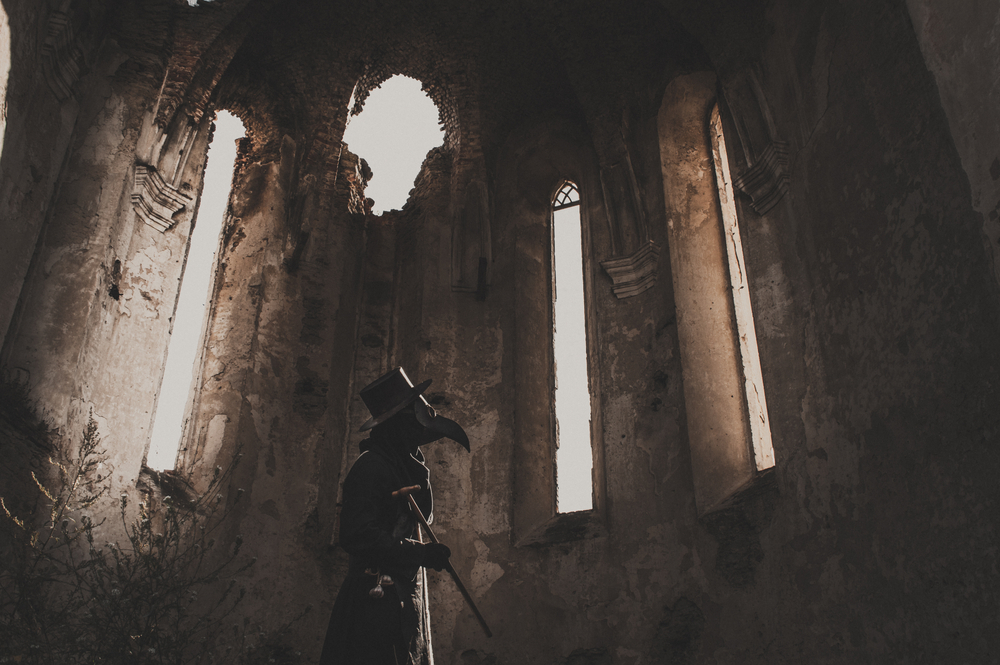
x=713, y=392
x=96, y=308
x=275, y=383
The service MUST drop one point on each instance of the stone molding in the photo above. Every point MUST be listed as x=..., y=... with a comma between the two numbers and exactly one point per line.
x=154, y=201
x=62, y=58
x=631, y=275
x=767, y=180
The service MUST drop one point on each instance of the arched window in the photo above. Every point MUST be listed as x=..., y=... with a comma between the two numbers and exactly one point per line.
x=192, y=302
x=4, y=72
x=571, y=400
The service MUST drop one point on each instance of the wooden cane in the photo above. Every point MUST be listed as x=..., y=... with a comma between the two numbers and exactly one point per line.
x=408, y=493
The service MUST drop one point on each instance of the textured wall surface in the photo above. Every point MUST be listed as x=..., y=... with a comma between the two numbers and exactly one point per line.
x=961, y=45
x=862, y=141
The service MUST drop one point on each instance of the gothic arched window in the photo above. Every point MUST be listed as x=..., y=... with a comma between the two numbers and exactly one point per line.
x=571, y=394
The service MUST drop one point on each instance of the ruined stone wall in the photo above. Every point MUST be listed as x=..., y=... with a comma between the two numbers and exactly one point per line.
x=863, y=275
x=961, y=49
x=95, y=309
x=847, y=553
x=872, y=540
x=40, y=113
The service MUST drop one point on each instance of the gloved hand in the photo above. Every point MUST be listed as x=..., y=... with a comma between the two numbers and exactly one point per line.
x=436, y=556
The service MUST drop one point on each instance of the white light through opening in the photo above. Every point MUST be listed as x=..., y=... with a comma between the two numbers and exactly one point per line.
x=180, y=375
x=393, y=133
x=760, y=427
x=574, y=454
x=4, y=72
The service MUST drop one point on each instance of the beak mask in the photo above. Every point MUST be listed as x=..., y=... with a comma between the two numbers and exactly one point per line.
x=391, y=393
x=438, y=426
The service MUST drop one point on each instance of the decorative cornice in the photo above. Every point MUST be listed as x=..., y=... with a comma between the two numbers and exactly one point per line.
x=631, y=275
x=62, y=59
x=154, y=201
x=767, y=180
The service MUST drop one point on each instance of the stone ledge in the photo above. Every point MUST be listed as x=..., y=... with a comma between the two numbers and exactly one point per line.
x=633, y=274
x=154, y=201
x=566, y=527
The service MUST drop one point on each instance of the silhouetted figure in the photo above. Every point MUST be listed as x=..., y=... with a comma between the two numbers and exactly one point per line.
x=381, y=615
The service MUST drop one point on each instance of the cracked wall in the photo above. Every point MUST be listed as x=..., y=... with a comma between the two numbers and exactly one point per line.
x=862, y=204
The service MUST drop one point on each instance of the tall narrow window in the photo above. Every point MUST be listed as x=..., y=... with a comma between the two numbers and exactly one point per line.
x=192, y=304
x=753, y=382
x=574, y=454
x=4, y=72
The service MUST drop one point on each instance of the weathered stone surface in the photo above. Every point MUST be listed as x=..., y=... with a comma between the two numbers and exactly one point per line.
x=877, y=303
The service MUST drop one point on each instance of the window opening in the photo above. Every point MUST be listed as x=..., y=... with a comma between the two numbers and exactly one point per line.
x=574, y=452
x=397, y=127
x=760, y=428
x=4, y=73
x=192, y=305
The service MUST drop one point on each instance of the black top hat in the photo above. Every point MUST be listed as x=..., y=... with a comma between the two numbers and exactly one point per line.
x=388, y=394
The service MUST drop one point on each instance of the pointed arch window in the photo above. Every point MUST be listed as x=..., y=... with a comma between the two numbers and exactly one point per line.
x=570, y=357
x=567, y=196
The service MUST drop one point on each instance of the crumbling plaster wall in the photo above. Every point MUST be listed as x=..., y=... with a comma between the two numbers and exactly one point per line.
x=95, y=310
x=863, y=274
x=874, y=539
x=39, y=122
x=961, y=46
x=873, y=259
x=277, y=369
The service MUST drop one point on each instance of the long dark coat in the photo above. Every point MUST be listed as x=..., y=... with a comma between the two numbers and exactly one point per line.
x=376, y=530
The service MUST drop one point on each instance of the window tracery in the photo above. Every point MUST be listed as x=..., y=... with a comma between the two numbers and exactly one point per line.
x=567, y=196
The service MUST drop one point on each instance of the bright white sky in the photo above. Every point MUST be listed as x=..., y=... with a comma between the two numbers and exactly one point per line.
x=393, y=133
x=574, y=458
x=4, y=71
